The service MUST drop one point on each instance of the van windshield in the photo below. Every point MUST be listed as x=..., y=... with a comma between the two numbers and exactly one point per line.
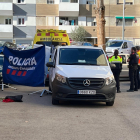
x=80, y=56
x=52, y=43
x=114, y=44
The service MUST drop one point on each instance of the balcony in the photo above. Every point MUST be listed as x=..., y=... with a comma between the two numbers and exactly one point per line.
x=6, y=8
x=69, y=8
x=6, y=31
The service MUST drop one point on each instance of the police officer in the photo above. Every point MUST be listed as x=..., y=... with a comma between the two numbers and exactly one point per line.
x=138, y=52
x=117, y=60
x=133, y=66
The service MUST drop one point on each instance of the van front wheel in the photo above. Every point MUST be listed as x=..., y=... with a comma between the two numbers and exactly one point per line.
x=110, y=103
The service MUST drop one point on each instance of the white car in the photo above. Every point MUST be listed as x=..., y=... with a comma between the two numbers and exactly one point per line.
x=81, y=73
x=123, y=46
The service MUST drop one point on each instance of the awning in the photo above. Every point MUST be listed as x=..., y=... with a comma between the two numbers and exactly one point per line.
x=125, y=17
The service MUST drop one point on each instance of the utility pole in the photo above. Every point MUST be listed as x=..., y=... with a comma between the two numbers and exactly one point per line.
x=123, y=27
x=100, y=19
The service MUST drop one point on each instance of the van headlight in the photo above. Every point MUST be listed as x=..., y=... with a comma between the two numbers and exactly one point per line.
x=60, y=78
x=109, y=80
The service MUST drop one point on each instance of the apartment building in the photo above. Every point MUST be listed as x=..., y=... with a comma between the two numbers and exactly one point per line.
x=6, y=20
x=67, y=14
x=19, y=19
x=24, y=21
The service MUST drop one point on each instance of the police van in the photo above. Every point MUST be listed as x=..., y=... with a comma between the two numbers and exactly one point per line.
x=51, y=37
x=81, y=73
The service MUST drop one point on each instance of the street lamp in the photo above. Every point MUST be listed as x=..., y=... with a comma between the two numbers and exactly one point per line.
x=123, y=19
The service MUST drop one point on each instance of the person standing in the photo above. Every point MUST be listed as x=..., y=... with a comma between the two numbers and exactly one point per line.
x=133, y=66
x=138, y=52
x=117, y=60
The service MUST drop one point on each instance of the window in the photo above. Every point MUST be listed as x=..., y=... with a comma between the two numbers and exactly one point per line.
x=91, y=21
x=114, y=44
x=128, y=22
x=8, y=21
x=128, y=2
x=68, y=21
x=50, y=1
x=82, y=57
x=21, y=21
x=21, y=1
x=91, y=2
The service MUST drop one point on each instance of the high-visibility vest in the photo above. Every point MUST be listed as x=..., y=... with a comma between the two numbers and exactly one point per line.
x=139, y=57
x=112, y=59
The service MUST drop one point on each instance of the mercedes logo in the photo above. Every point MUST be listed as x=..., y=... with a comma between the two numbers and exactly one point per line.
x=86, y=82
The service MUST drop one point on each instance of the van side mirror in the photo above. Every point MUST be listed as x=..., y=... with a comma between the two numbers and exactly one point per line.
x=50, y=64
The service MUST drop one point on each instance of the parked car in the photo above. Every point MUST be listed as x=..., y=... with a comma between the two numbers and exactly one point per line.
x=123, y=46
x=7, y=44
x=81, y=73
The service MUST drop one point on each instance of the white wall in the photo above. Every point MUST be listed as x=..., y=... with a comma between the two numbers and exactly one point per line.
x=82, y=21
x=69, y=6
x=31, y=21
x=56, y=1
x=26, y=1
x=6, y=6
x=6, y=28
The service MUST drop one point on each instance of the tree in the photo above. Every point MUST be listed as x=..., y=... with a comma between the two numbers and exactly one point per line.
x=78, y=34
x=100, y=18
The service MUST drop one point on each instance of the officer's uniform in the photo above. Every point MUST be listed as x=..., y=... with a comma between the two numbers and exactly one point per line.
x=117, y=69
x=133, y=66
x=138, y=69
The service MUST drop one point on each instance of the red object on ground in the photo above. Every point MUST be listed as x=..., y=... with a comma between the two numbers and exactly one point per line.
x=7, y=100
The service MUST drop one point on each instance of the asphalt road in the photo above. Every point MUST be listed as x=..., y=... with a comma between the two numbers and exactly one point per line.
x=37, y=119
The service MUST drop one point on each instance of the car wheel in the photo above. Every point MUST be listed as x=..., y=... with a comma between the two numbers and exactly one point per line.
x=55, y=102
x=110, y=103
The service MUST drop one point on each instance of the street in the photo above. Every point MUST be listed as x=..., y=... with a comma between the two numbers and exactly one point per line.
x=37, y=119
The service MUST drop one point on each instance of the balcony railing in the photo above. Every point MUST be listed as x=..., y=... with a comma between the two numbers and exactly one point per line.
x=6, y=28
x=6, y=8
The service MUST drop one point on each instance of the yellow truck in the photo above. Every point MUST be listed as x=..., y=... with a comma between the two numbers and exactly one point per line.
x=51, y=37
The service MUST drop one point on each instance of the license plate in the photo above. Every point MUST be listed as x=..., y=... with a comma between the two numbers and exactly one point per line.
x=89, y=92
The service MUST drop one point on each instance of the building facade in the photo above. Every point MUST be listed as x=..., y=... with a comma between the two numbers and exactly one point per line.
x=19, y=19
x=24, y=21
x=67, y=14
x=6, y=20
